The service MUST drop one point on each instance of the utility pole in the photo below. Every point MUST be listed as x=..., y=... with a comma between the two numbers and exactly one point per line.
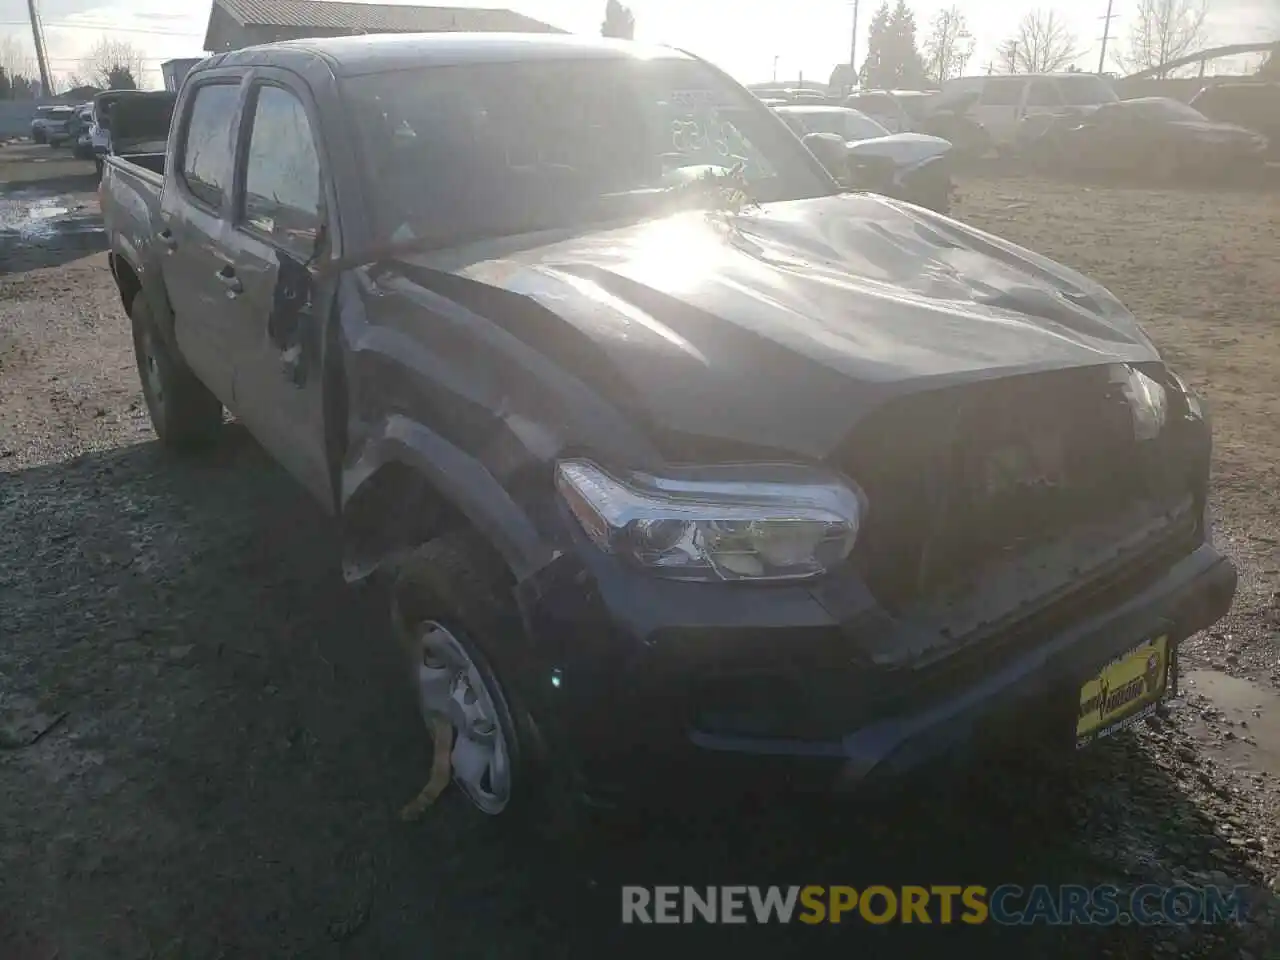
x=853, y=49
x=775, y=69
x=1013, y=56
x=1106, y=35
x=42, y=57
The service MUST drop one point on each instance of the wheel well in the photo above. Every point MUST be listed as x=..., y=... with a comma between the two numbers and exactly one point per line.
x=393, y=512
x=127, y=281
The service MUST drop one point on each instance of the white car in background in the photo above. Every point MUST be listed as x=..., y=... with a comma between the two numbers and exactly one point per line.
x=38, y=123
x=1002, y=102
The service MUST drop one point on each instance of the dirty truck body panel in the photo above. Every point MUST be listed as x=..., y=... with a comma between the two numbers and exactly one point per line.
x=899, y=356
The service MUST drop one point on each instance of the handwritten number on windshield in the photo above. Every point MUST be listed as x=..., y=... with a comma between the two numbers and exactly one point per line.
x=691, y=137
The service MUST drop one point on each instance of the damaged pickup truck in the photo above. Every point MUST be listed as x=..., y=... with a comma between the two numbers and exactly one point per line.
x=675, y=458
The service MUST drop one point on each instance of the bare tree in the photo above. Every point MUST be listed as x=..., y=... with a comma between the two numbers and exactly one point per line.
x=114, y=60
x=949, y=45
x=1043, y=43
x=1163, y=30
x=14, y=58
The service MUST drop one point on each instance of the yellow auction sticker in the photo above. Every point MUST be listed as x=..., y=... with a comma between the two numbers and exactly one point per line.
x=1124, y=690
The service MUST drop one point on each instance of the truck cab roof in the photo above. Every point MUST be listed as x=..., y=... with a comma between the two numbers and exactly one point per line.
x=385, y=53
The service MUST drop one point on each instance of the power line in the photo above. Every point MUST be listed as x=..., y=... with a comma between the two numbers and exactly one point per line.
x=96, y=59
x=102, y=27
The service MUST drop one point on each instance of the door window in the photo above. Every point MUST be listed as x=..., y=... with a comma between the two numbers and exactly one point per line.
x=1001, y=92
x=282, y=194
x=1043, y=94
x=206, y=150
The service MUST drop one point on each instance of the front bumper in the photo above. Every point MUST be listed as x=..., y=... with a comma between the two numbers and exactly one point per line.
x=629, y=669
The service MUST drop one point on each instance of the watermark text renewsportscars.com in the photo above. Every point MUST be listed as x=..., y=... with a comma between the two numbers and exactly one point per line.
x=1008, y=904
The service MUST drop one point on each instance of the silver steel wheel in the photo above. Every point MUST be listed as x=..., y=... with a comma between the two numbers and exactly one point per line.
x=451, y=685
x=152, y=381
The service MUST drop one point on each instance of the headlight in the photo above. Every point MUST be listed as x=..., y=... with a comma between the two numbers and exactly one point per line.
x=1147, y=400
x=766, y=522
x=1195, y=409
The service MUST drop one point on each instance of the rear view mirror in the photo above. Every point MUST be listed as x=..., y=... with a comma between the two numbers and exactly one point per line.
x=832, y=152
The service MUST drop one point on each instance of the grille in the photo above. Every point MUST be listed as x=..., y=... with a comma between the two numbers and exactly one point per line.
x=963, y=478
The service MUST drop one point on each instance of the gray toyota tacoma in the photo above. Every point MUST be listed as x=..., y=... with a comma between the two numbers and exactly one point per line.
x=675, y=458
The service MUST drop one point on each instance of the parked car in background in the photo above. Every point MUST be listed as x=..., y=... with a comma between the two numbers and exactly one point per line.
x=1253, y=104
x=82, y=129
x=131, y=122
x=666, y=488
x=1000, y=103
x=57, y=126
x=925, y=111
x=1159, y=138
x=898, y=111
x=38, y=123
x=910, y=166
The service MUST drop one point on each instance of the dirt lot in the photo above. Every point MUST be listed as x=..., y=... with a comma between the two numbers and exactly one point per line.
x=204, y=742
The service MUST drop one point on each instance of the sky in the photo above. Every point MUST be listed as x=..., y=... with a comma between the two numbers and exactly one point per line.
x=807, y=37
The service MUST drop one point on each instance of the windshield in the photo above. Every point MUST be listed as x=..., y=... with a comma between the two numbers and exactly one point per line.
x=1085, y=91
x=1168, y=110
x=492, y=149
x=849, y=124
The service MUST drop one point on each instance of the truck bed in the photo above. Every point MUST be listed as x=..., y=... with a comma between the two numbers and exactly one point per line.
x=151, y=162
x=130, y=197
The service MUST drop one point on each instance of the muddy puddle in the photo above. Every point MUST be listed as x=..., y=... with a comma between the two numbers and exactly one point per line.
x=1239, y=720
x=42, y=219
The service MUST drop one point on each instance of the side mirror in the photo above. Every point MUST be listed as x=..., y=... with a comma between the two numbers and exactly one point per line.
x=832, y=152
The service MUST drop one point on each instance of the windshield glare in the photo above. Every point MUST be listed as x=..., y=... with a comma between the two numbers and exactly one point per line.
x=849, y=124
x=491, y=149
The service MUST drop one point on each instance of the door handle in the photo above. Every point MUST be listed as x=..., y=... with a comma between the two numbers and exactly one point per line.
x=167, y=239
x=227, y=277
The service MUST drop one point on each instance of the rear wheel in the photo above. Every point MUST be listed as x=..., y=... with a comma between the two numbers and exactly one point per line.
x=183, y=411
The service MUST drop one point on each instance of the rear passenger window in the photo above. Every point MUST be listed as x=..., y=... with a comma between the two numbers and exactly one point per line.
x=282, y=173
x=1001, y=92
x=206, y=152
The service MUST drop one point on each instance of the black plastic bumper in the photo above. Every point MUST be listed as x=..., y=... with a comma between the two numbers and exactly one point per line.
x=623, y=657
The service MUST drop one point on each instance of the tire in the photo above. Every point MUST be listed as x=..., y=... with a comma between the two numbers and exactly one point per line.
x=456, y=583
x=452, y=584
x=184, y=414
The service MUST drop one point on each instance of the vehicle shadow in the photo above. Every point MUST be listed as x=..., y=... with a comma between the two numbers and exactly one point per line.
x=238, y=740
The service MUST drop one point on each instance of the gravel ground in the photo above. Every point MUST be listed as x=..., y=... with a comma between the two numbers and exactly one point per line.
x=204, y=742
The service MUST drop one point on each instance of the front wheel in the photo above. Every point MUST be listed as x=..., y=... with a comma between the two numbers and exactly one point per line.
x=450, y=614
x=183, y=411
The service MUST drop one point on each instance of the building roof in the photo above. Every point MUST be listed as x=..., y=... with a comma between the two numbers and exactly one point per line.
x=374, y=17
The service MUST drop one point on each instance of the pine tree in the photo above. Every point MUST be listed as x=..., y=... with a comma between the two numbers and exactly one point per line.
x=893, y=61
x=873, y=67
x=619, y=22
x=907, y=66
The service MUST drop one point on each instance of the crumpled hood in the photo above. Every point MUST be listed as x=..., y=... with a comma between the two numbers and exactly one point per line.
x=783, y=325
x=904, y=149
